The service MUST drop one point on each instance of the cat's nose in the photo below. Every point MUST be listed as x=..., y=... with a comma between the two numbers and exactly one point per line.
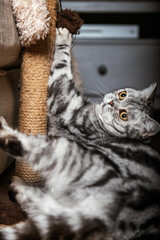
x=111, y=103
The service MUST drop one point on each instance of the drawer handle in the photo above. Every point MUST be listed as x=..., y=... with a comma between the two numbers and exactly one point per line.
x=102, y=70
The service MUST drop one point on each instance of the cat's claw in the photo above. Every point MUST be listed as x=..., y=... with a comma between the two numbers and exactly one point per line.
x=3, y=131
x=3, y=123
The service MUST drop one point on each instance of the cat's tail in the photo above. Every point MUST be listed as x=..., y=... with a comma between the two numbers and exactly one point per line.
x=21, y=231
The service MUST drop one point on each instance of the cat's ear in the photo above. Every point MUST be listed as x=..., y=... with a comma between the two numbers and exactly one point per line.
x=151, y=128
x=149, y=93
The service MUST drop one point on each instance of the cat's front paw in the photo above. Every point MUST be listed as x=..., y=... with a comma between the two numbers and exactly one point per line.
x=63, y=36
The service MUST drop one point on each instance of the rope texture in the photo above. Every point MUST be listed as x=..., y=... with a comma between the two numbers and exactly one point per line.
x=35, y=68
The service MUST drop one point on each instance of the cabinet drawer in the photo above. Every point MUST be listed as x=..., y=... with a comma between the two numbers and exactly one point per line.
x=108, y=65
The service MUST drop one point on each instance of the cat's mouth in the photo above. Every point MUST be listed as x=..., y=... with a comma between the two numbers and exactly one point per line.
x=111, y=103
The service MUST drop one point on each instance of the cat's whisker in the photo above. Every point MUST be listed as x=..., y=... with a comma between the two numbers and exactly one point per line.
x=93, y=92
x=115, y=82
x=106, y=86
x=99, y=91
x=102, y=85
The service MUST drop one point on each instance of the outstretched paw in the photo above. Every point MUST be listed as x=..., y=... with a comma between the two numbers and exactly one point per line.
x=63, y=36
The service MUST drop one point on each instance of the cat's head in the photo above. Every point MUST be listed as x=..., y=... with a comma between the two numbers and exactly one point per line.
x=127, y=113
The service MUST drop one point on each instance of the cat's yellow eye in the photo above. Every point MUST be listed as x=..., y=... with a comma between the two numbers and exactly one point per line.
x=122, y=95
x=123, y=115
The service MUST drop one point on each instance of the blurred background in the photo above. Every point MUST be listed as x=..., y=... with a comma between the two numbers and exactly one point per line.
x=118, y=45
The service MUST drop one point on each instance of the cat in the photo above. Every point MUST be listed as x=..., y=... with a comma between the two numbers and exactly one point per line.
x=86, y=193
x=122, y=113
x=97, y=184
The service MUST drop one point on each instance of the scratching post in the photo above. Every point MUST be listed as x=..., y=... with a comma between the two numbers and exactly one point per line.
x=35, y=68
x=36, y=62
x=36, y=65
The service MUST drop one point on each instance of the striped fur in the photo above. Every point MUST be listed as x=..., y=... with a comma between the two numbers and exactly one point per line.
x=106, y=193
x=70, y=115
x=97, y=185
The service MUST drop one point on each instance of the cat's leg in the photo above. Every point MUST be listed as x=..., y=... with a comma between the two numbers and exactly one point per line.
x=63, y=98
x=30, y=149
x=62, y=56
x=28, y=196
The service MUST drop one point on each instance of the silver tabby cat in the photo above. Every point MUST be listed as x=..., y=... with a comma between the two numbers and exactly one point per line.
x=97, y=184
x=123, y=113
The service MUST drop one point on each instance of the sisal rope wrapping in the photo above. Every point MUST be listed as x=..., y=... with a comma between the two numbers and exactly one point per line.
x=35, y=68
